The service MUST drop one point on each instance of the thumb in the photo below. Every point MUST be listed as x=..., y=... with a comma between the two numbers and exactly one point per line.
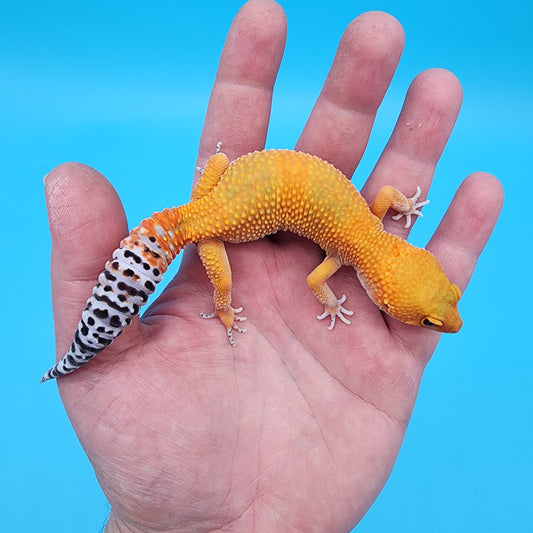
x=87, y=222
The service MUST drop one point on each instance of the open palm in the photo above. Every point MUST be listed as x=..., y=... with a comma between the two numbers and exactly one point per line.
x=297, y=428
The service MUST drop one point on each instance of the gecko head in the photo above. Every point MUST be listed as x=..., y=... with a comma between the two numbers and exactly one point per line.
x=420, y=294
x=444, y=315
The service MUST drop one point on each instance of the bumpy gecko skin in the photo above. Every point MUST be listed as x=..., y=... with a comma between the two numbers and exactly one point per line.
x=257, y=195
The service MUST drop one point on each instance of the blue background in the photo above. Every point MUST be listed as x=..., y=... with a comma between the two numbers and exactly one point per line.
x=123, y=86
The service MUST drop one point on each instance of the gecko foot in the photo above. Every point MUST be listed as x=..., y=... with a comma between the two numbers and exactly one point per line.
x=414, y=208
x=217, y=151
x=228, y=318
x=338, y=311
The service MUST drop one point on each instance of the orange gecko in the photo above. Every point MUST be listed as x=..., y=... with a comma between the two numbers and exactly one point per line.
x=256, y=195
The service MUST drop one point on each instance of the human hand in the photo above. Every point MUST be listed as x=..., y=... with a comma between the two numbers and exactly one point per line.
x=297, y=428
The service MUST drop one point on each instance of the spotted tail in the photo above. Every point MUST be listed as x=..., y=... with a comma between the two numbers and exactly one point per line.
x=127, y=281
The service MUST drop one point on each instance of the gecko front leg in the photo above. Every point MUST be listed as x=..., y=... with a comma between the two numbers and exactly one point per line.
x=388, y=197
x=317, y=283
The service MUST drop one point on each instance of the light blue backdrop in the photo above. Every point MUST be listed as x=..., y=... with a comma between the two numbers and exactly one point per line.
x=123, y=86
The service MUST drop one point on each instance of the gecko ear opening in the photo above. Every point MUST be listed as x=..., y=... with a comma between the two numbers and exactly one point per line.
x=431, y=322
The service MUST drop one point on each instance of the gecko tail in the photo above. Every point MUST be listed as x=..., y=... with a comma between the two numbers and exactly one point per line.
x=125, y=284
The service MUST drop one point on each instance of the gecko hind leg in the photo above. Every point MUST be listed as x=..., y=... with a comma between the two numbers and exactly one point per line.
x=212, y=172
x=215, y=260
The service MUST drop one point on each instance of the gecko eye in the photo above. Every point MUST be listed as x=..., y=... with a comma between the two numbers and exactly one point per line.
x=432, y=322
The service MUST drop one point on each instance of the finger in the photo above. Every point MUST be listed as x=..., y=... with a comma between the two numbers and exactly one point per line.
x=419, y=137
x=86, y=224
x=239, y=106
x=340, y=123
x=467, y=225
x=457, y=244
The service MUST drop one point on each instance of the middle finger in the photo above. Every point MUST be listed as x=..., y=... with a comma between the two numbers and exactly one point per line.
x=341, y=121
